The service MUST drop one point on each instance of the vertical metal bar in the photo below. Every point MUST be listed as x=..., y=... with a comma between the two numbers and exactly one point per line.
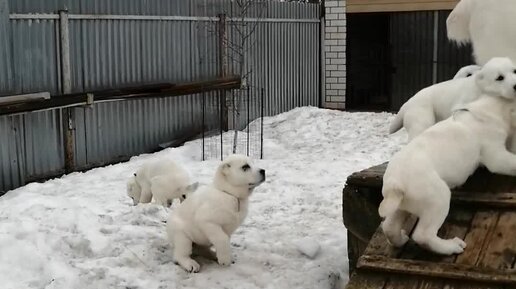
x=322, y=61
x=261, y=126
x=64, y=37
x=436, y=47
x=248, y=117
x=223, y=55
x=203, y=120
x=222, y=97
x=66, y=82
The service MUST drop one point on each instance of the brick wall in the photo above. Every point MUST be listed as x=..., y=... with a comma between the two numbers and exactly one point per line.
x=335, y=54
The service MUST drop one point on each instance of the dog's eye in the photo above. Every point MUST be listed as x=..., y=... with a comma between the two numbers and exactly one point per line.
x=468, y=75
x=245, y=167
x=500, y=78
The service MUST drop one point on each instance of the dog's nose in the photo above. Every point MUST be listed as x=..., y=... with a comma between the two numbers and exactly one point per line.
x=262, y=172
x=514, y=87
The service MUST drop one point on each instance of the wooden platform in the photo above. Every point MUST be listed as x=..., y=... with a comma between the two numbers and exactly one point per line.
x=483, y=213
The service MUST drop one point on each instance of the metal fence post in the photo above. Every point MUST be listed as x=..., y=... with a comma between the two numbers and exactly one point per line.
x=66, y=87
x=322, y=52
x=223, y=60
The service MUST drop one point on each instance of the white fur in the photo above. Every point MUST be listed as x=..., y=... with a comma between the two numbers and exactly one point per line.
x=419, y=177
x=164, y=180
x=435, y=103
x=490, y=25
x=211, y=214
x=467, y=71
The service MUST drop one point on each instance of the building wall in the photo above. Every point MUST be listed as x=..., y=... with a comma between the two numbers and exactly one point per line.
x=335, y=54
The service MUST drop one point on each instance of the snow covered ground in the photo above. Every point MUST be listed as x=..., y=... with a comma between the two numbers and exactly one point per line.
x=80, y=231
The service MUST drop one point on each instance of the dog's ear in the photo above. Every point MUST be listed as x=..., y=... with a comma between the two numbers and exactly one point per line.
x=480, y=75
x=225, y=168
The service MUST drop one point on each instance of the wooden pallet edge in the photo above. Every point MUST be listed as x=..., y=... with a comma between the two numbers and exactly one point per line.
x=440, y=270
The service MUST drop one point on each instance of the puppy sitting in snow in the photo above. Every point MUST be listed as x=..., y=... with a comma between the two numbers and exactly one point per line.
x=211, y=214
x=419, y=177
x=435, y=103
x=164, y=180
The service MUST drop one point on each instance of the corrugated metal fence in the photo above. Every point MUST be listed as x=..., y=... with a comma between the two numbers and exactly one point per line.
x=127, y=42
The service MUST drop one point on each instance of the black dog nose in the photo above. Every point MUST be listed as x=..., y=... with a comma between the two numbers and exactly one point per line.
x=262, y=172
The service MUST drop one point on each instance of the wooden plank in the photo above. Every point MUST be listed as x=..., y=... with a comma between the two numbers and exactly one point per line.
x=12, y=99
x=141, y=92
x=501, y=252
x=481, y=226
x=438, y=270
x=485, y=199
x=365, y=280
x=371, y=177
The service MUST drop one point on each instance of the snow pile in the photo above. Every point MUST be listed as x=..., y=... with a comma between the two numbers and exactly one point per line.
x=80, y=231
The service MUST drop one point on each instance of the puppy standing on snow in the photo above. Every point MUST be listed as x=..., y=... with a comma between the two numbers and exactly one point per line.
x=164, y=180
x=436, y=103
x=419, y=177
x=211, y=214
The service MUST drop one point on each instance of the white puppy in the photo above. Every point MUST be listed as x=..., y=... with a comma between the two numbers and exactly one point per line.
x=211, y=214
x=490, y=25
x=419, y=177
x=164, y=180
x=435, y=103
x=467, y=71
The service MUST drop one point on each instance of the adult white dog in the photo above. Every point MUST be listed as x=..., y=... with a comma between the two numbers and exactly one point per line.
x=164, y=180
x=467, y=71
x=419, y=177
x=490, y=25
x=211, y=214
x=435, y=103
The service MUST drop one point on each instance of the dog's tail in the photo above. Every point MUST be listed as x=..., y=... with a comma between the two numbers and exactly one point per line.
x=457, y=23
x=392, y=197
x=397, y=122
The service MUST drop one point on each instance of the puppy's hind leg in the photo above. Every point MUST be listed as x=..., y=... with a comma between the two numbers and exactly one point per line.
x=183, y=250
x=392, y=227
x=417, y=121
x=432, y=218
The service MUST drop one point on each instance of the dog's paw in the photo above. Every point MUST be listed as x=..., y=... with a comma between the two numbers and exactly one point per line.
x=460, y=242
x=190, y=265
x=224, y=260
x=454, y=246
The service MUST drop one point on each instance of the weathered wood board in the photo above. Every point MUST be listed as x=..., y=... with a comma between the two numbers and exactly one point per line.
x=483, y=213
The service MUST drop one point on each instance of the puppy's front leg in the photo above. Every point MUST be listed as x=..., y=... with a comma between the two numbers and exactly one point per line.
x=220, y=241
x=499, y=160
x=146, y=196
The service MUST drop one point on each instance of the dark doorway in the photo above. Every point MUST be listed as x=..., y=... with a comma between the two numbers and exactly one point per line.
x=368, y=62
x=391, y=56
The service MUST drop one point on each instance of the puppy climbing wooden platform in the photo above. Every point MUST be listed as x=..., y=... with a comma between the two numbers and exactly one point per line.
x=483, y=214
